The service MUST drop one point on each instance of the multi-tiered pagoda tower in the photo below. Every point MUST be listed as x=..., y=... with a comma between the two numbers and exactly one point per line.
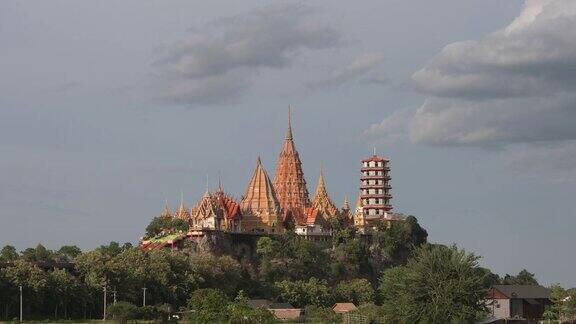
x=289, y=182
x=375, y=187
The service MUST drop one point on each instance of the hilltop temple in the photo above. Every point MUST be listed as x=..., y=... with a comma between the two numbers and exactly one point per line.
x=273, y=207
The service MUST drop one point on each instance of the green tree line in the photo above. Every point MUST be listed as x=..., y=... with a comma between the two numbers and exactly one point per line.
x=394, y=276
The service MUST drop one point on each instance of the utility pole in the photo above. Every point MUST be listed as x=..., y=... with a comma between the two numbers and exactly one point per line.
x=104, y=317
x=144, y=296
x=20, y=303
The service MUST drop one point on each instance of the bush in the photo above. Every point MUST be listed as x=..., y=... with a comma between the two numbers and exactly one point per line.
x=208, y=305
x=123, y=311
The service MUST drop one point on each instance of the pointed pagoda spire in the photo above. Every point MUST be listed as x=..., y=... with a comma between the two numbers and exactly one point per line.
x=259, y=206
x=166, y=211
x=346, y=205
x=219, y=183
x=182, y=212
x=321, y=200
x=289, y=182
x=260, y=195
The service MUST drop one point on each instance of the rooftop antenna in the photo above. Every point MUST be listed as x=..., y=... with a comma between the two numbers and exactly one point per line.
x=374, y=149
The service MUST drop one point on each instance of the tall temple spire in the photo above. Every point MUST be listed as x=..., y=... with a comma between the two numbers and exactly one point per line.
x=289, y=181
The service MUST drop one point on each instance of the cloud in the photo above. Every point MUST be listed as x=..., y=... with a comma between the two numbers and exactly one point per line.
x=357, y=68
x=515, y=85
x=557, y=162
x=216, y=66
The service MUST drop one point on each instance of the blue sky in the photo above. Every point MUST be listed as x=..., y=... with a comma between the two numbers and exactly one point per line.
x=108, y=108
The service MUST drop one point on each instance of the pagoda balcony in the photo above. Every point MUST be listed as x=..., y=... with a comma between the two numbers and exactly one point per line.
x=375, y=177
x=385, y=207
x=385, y=168
x=375, y=196
x=381, y=186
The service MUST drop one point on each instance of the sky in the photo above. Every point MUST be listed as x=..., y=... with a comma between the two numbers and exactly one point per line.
x=109, y=108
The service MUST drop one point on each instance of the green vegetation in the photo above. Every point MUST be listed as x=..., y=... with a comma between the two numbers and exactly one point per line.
x=393, y=276
x=438, y=285
x=164, y=224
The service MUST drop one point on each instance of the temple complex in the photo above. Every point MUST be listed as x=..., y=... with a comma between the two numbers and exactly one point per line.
x=273, y=207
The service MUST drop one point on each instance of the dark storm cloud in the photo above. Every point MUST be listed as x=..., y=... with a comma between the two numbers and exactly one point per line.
x=512, y=86
x=216, y=66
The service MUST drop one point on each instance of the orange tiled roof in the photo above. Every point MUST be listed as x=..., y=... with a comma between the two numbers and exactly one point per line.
x=227, y=205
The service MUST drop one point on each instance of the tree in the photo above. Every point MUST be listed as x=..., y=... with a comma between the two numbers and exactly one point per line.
x=563, y=303
x=302, y=293
x=522, y=278
x=221, y=272
x=38, y=254
x=8, y=254
x=240, y=312
x=357, y=291
x=490, y=279
x=33, y=281
x=207, y=305
x=438, y=285
x=160, y=224
x=392, y=243
x=69, y=252
x=110, y=250
x=122, y=311
x=63, y=289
